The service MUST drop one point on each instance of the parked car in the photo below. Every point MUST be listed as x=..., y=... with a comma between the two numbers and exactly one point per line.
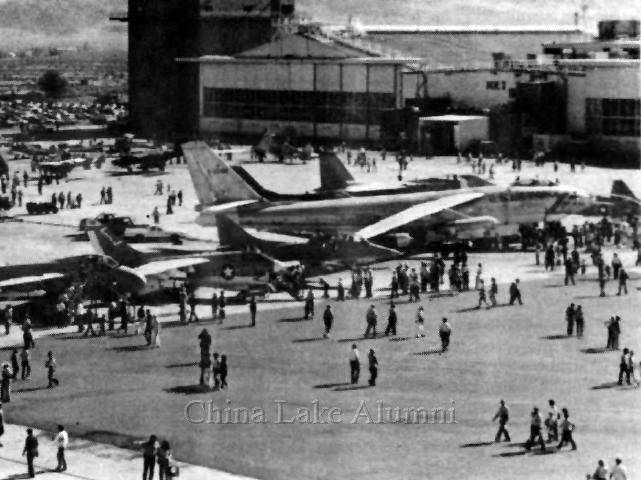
x=41, y=208
x=116, y=225
x=150, y=233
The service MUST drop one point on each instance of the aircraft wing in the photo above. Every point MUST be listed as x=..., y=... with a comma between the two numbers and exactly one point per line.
x=415, y=213
x=162, y=266
x=30, y=279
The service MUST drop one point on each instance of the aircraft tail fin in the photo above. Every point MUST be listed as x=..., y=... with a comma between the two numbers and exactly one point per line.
x=213, y=179
x=334, y=175
x=621, y=189
x=231, y=234
x=120, y=251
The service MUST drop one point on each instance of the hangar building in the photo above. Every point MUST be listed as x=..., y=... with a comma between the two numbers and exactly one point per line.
x=313, y=84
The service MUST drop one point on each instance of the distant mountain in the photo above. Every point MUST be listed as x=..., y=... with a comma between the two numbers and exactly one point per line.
x=24, y=22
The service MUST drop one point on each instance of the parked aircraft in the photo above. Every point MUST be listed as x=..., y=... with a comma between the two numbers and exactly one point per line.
x=475, y=213
x=55, y=276
x=144, y=159
x=229, y=270
x=62, y=167
x=319, y=254
x=280, y=146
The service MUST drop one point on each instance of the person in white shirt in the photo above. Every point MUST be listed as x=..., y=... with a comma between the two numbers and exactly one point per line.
x=618, y=471
x=354, y=364
x=420, y=322
x=61, y=440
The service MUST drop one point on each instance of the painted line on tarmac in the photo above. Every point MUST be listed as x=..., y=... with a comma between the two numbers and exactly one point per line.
x=40, y=470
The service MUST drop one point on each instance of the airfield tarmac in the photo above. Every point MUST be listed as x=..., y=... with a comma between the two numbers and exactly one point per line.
x=516, y=353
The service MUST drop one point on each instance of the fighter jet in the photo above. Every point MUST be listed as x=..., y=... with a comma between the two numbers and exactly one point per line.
x=319, y=254
x=55, y=276
x=474, y=213
x=230, y=270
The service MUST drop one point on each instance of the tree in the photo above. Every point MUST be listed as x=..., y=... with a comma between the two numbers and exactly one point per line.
x=52, y=83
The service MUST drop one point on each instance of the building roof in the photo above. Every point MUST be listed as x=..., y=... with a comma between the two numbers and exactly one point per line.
x=596, y=45
x=452, y=118
x=302, y=46
x=472, y=29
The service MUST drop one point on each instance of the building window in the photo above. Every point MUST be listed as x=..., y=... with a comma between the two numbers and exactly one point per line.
x=293, y=105
x=613, y=116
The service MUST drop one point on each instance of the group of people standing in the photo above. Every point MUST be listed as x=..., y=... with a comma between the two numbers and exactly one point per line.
x=213, y=367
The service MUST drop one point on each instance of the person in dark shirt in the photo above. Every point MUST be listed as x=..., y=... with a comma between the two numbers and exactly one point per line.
x=30, y=451
x=373, y=367
x=515, y=293
x=392, y=320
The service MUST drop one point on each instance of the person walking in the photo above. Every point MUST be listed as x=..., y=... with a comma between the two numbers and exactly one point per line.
x=481, y=289
x=623, y=281
x=155, y=332
x=391, y=320
x=569, y=271
x=15, y=366
x=205, y=369
x=494, y=291
x=515, y=292
x=252, y=310
x=554, y=416
x=616, y=332
x=624, y=367
x=51, y=366
x=536, y=423
x=193, y=301
x=340, y=291
x=445, y=331
x=1, y=423
x=328, y=320
x=25, y=360
x=62, y=441
x=309, y=305
x=215, y=370
x=354, y=365
x=223, y=371
x=631, y=362
x=567, y=427
x=569, y=319
x=618, y=471
x=164, y=458
x=214, y=306
x=420, y=322
x=503, y=415
x=601, y=472
x=149, y=452
x=5, y=384
x=373, y=367
x=579, y=320
x=371, y=317
x=30, y=450
x=222, y=303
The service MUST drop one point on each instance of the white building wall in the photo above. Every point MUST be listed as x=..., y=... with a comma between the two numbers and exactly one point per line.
x=600, y=82
x=468, y=89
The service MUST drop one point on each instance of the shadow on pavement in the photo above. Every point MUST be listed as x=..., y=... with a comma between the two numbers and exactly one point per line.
x=429, y=352
x=332, y=385
x=595, y=350
x=351, y=387
x=555, y=337
x=477, y=444
x=605, y=386
x=182, y=365
x=307, y=340
x=189, y=389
